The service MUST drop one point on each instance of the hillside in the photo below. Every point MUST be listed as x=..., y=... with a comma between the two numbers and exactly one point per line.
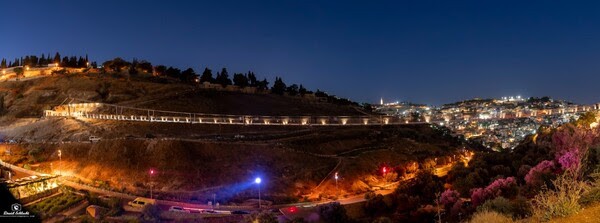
x=192, y=158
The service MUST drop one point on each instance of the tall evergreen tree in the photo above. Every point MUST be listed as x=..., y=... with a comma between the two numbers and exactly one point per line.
x=56, y=58
x=252, y=79
x=188, y=75
x=263, y=85
x=3, y=64
x=207, y=76
x=278, y=86
x=160, y=70
x=42, y=61
x=73, y=61
x=223, y=78
x=302, y=91
x=240, y=80
x=81, y=62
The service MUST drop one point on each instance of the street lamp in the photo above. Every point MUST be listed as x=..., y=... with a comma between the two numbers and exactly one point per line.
x=337, y=190
x=60, y=162
x=151, y=182
x=257, y=181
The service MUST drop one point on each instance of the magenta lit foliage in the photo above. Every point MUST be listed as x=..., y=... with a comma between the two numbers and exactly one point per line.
x=535, y=174
x=495, y=189
x=449, y=197
x=570, y=160
x=456, y=208
x=569, y=143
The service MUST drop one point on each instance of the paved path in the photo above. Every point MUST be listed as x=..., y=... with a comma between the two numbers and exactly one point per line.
x=94, y=110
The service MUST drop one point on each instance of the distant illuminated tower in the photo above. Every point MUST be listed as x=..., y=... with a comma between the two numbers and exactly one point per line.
x=381, y=101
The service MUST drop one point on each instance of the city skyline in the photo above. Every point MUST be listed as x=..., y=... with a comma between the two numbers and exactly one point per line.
x=431, y=53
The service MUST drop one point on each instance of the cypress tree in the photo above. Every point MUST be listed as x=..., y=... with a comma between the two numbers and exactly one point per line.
x=56, y=58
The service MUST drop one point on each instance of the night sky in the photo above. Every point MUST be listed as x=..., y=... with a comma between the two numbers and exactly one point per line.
x=430, y=52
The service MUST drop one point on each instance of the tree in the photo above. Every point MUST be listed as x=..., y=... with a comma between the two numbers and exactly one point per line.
x=56, y=58
x=333, y=213
x=27, y=61
x=240, y=80
x=144, y=66
x=160, y=70
x=73, y=61
x=252, y=79
x=263, y=85
x=207, y=76
x=188, y=75
x=223, y=78
x=64, y=62
x=302, y=91
x=375, y=206
x=262, y=217
x=278, y=87
x=132, y=70
x=292, y=90
x=115, y=64
x=173, y=72
x=19, y=72
x=43, y=61
x=3, y=64
x=16, y=63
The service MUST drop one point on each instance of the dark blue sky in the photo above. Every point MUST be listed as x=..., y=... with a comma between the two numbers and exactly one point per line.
x=423, y=51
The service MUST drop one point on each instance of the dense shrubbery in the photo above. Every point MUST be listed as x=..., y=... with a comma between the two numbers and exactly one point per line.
x=56, y=204
x=333, y=213
x=558, y=160
x=490, y=217
x=563, y=200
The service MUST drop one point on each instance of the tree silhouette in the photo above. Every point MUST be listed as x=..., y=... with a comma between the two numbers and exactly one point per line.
x=223, y=78
x=56, y=58
x=292, y=90
x=207, y=76
x=240, y=80
x=160, y=70
x=188, y=75
x=302, y=90
x=278, y=87
x=263, y=85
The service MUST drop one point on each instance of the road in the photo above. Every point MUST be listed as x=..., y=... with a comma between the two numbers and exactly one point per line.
x=78, y=186
x=287, y=209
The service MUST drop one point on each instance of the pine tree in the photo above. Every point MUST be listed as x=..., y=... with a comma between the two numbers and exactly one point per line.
x=252, y=79
x=302, y=90
x=207, y=76
x=56, y=58
x=42, y=61
x=3, y=64
x=65, y=62
x=240, y=80
x=278, y=87
x=223, y=78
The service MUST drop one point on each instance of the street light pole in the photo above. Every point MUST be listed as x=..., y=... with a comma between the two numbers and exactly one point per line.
x=151, y=182
x=60, y=162
x=257, y=181
x=337, y=190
